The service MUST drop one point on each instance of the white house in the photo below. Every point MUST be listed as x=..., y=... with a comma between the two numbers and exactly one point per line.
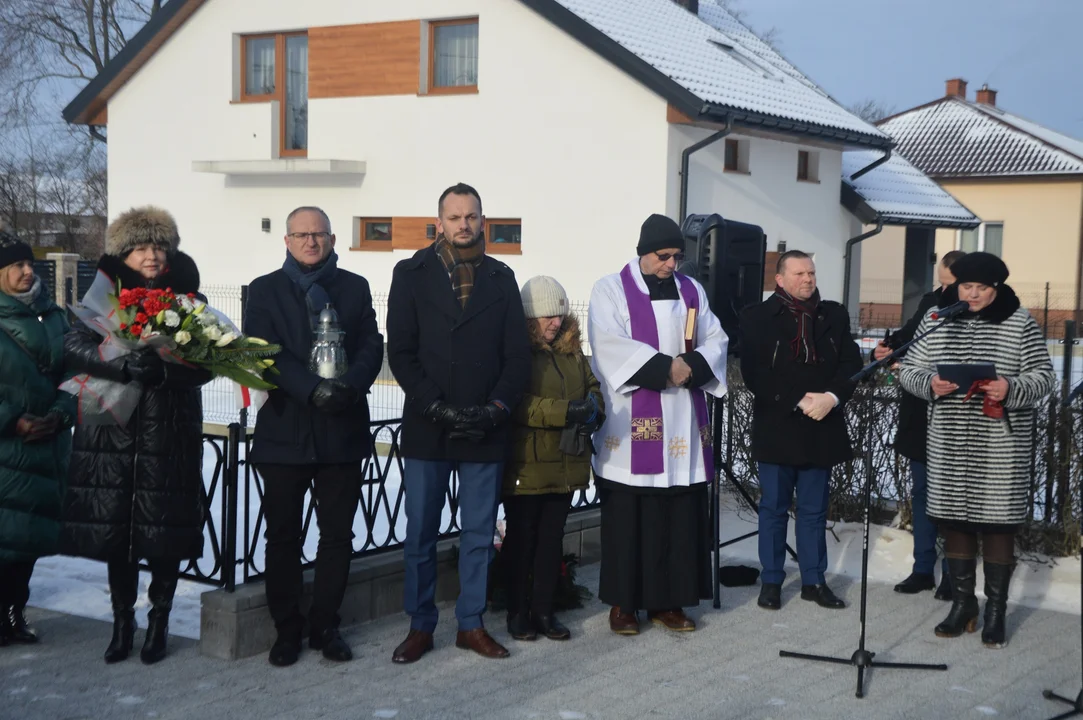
x=571, y=117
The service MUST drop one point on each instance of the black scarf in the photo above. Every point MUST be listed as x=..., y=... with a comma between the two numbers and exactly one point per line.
x=311, y=280
x=804, y=312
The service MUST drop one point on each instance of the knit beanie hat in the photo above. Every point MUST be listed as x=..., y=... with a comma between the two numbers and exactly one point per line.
x=544, y=297
x=146, y=225
x=980, y=267
x=12, y=249
x=658, y=233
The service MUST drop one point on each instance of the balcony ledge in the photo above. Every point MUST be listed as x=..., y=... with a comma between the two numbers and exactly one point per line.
x=280, y=167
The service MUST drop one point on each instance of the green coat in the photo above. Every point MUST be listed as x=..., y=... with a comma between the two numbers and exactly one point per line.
x=33, y=476
x=559, y=373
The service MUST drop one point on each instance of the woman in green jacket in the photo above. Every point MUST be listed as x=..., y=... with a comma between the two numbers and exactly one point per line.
x=550, y=458
x=35, y=437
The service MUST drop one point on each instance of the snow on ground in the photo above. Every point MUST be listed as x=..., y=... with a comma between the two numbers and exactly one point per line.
x=79, y=587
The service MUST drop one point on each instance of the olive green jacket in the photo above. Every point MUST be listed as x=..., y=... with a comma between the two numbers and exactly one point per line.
x=559, y=373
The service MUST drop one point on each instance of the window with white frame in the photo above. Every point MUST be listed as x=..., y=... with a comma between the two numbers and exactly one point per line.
x=987, y=237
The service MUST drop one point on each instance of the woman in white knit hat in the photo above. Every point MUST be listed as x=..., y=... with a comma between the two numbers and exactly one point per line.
x=549, y=459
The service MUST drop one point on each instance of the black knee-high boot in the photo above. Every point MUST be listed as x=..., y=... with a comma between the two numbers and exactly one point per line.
x=163, y=585
x=123, y=588
x=963, y=616
x=997, y=579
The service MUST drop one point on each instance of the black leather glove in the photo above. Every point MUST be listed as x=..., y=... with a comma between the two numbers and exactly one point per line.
x=440, y=413
x=146, y=368
x=579, y=412
x=483, y=417
x=595, y=425
x=333, y=396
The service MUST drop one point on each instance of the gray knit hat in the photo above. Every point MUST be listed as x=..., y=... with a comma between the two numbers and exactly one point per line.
x=146, y=225
x=544, y=297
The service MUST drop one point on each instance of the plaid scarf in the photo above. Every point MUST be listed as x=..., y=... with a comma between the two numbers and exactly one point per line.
x=461, y=264
x=804, y=312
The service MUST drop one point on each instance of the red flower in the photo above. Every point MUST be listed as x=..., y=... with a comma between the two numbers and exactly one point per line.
x=124, y=326
x=141, y=318
x=137, y=330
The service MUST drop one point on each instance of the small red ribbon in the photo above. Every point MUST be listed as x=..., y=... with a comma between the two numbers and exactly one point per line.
x=990, y=407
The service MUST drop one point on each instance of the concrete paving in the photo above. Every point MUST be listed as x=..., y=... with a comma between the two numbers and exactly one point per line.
x=729, y=668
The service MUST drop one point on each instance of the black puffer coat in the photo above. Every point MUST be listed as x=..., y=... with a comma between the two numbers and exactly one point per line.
x=137, y=491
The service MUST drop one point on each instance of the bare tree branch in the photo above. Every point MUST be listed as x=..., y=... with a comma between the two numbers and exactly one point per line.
x=871, y=110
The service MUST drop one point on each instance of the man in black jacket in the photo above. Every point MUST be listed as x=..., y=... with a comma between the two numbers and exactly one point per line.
x=910, y=443
x=312, y=433
x=797, y=356
x=457, y=344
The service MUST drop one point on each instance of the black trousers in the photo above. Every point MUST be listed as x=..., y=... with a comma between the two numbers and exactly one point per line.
x=534, y=547
x=15, y=583
x=337, y=489
x=124, y=581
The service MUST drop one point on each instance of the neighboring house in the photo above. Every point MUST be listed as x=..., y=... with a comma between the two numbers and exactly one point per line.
x=902, y=209
x=1023, y=180
x=571, y=117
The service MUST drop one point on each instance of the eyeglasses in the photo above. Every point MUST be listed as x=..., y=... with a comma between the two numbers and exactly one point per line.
x=664, y=257
x=309, y=235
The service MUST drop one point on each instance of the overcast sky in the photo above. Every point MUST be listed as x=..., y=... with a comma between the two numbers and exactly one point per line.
x=900, y=52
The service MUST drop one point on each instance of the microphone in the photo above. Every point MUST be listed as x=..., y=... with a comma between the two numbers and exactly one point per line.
x=951, y=310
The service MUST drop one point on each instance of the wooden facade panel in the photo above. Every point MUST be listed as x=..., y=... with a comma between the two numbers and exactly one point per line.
x=101, y=117
x=408, y=233
x=770, y=260
x=676, y=117
x=364, y=60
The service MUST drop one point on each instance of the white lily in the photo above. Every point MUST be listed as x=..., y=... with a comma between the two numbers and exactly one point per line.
x=212, y=333
x=226, y=339
x=183, y=337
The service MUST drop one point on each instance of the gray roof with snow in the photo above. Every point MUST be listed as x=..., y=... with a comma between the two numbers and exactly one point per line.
x=897, y=193
x=953, y=137
x=710, y=62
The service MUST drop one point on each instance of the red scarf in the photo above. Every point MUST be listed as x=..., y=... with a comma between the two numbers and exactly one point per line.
x=804, y=313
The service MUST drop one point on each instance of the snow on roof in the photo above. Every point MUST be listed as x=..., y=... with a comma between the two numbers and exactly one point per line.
x=899, y=193
x=954, y=137
x=717, y=59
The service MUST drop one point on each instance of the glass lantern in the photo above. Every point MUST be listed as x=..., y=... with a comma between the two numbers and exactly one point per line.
x=328, y=359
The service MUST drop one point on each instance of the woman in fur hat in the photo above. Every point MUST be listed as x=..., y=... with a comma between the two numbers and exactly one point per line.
x=980, y=444
x=135, y=491
x=35, y=436
x=550, y=459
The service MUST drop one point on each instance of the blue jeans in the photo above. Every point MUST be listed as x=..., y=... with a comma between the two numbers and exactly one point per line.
x=777, y=483
x=426, y=485
x=924, y=528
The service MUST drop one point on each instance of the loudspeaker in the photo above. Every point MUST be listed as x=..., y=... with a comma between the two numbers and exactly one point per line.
x=727, y=258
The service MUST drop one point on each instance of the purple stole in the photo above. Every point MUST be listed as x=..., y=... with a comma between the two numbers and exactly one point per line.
x=648, y=440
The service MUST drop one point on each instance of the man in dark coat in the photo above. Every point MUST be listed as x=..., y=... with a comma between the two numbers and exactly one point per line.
x=910, y=443
x=313, y=431
x=136, y=490
x=797, y=356
x=457, y=344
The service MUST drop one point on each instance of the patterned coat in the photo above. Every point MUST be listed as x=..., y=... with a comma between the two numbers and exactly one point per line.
x=979, y=467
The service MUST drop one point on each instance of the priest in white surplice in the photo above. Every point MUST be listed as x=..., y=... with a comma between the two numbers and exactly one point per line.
x=658, y=350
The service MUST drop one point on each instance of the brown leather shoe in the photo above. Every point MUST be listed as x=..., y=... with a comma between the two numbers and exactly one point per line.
x=623, y=623
x=480, y=642
x=674, y=620
x=416, y=644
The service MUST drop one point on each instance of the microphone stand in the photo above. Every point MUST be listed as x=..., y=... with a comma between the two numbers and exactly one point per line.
x=1077, y=704
x=862, y=659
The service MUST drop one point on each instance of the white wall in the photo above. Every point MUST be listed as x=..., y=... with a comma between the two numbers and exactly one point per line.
x=556, y=136
x=807, y=216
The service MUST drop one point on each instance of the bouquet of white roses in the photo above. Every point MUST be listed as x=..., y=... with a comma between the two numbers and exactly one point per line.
x=181, y=328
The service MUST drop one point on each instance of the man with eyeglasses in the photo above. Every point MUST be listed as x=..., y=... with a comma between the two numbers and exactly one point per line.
x=313, y=431
x=797, y=357
x=658, y=350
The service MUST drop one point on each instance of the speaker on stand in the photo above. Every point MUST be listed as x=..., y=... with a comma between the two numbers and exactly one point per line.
x=727, y=258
